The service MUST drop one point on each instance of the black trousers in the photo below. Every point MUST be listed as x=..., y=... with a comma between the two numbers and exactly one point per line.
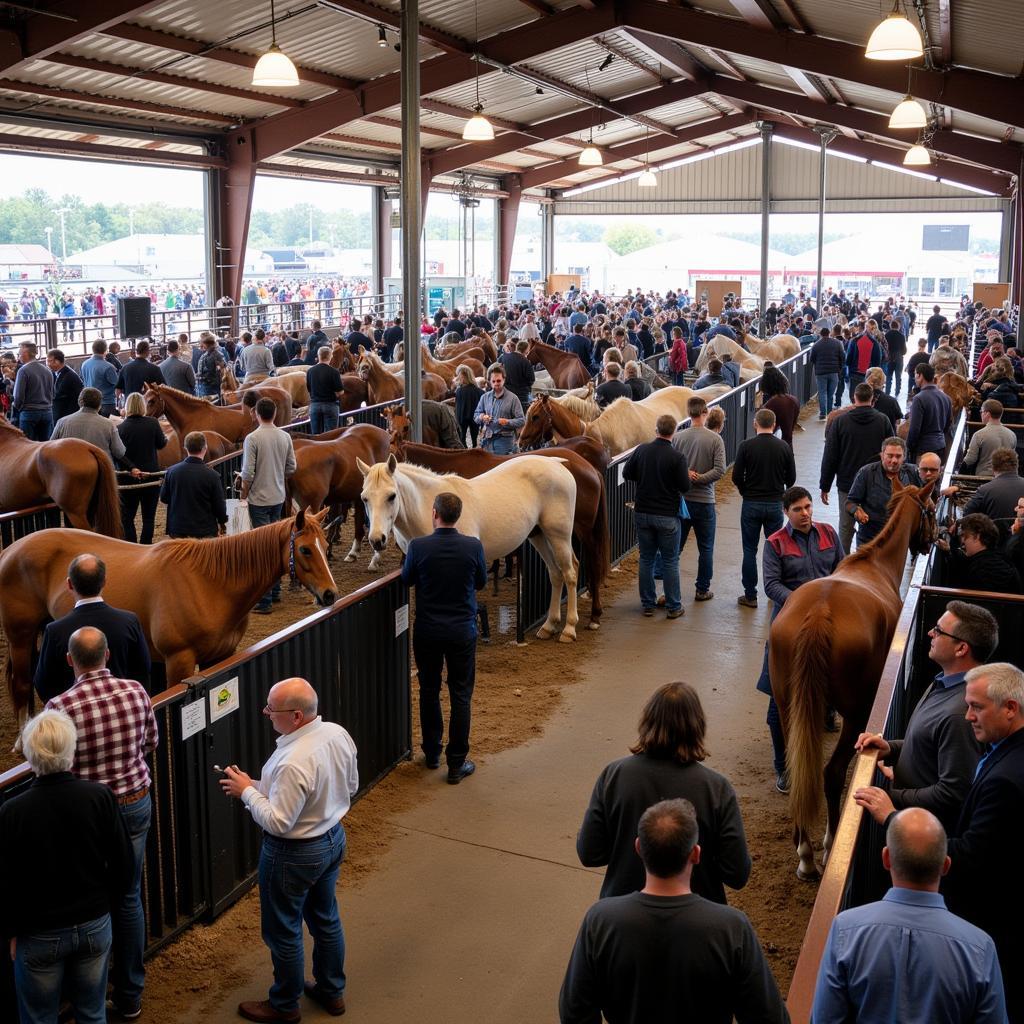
x=145, y=498
x=431, y=655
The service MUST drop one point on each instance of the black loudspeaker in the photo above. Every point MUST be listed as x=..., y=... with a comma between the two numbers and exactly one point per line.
x=134, y=317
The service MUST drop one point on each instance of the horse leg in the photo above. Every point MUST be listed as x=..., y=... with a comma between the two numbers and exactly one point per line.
x=179, y=666
x=21, y=644
x=807, y=870
x=359, y=519
x=559, y=573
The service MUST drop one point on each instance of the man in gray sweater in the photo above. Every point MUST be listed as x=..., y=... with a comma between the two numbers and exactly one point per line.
x=933, y=766
x=177, y=372
x=268, y=459
x=705, y=455
x=88, y=425
x=985, y=441
x=256, y=360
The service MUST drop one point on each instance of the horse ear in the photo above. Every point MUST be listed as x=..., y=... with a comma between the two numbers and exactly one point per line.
x=897, y=484
x=300, y=521
x=392, y=464
x=321, y=515
x=362, y=350
x=544, y=398
x=362, y=467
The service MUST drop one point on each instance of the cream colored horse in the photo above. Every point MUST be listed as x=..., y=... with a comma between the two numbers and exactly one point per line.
x=776, y=348
x=720, y=345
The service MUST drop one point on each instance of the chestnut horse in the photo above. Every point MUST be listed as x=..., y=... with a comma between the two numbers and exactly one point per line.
x=75, y=475
x=445, y=368
x=383, y=386
x=827, y=648
x=566, y=368
x=192, y=597
x=590, y=520
x=186, y=413
x=439, y=425
x=326, y=474
x=281, y=398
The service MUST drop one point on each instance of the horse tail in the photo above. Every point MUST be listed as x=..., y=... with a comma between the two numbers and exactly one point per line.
x=600, y=539
x=805, y=719
x=105, y=504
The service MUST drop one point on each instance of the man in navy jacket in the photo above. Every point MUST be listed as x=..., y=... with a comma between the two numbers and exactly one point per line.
x=194, y=494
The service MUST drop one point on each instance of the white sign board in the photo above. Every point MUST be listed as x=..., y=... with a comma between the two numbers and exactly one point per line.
x=401, y=620
x=193, y=719
x=223, y=699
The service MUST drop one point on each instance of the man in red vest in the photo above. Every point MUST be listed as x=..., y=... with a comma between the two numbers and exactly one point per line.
x=802, y=550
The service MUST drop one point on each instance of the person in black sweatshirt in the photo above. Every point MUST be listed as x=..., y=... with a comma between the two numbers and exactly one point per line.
x=763, y=470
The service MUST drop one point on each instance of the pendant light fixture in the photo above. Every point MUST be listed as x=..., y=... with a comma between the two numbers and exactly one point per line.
x=274, y=69
x=909, y=113
x=590, y=155
x=647, y=179
x=895, y=39
x=477, y=128
x=917, y=156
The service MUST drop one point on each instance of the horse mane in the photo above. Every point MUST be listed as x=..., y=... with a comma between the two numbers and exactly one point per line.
x=232, y=557
x=586, y=409
x=8, y=425
x=413, y=469
x=183, y=396
x=864, y=553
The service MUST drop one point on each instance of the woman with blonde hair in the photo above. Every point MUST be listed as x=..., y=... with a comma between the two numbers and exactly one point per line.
x=467, y=398
x=143, y=437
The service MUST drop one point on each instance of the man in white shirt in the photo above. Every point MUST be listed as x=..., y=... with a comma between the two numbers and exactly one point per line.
x=305, y=789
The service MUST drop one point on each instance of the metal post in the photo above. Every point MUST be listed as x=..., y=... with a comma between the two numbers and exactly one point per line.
x=765, y=128
x=411, y=220
x=1005, y=239
x=547, y=236
x=825, y=136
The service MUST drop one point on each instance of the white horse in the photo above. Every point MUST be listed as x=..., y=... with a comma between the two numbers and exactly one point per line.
x=530, y=497
x=775, y=348
x=720, y=345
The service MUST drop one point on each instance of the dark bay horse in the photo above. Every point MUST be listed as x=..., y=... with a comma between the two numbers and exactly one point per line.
x=566, y=368
x=828, y=646
x=187, y=413
x=75, y=475
x=192, y=597
x=590, y=520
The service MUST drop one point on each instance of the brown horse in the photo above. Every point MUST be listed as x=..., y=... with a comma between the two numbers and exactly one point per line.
x=326, y=474
x=440, y=428
x=566, y=368
x=548, y=421
x=192, y=597
x=590, y=521
x=186, y=413
x=445, y=368
x=293, y=383
x=487, y=349
x=383, y=386
x=827, y=648
x=248, y=397
x=75, y=475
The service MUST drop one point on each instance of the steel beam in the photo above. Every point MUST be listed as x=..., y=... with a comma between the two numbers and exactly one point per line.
x=43, y=34
x=667, y=52
x=30, y=144
x=547, y=236
x=508, y=219
x=997, y=97
x=810, y=87
x=825, y=136
x=759, y=13
x=235, y=186
x=375, y=15
x=536, y=177
x=381, y=239
x=766, y=129
x=945, y=54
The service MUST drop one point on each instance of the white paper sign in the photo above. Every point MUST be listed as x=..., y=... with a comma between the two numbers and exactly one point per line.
x=224, y=699
x=193, y=719
x=401, y=620
x=743, y=399
x=622, y=472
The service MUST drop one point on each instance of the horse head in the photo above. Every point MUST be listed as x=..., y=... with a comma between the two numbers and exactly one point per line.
x=365, y=365
x=540, y=426
x=154, y=399
x=399, y=423
x=381, y=499
x=927, y=527
x=308, y=553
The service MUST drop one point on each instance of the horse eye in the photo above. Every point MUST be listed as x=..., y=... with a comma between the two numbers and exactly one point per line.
x=391, y=497
x=305, y=552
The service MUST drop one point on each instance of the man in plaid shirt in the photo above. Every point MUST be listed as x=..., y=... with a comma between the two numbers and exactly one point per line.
x=116, y=731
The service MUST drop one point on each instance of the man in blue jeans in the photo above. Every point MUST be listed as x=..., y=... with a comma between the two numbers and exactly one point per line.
x=32, y=402
x=324, y=385
x=763, y=469
x=662, y=477
x=305, y=789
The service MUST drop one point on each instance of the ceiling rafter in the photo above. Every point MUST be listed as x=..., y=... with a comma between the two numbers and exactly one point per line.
x=617, y=51
x=945, y=32
x=375, y=15
x=667, y=52
x=23, y=143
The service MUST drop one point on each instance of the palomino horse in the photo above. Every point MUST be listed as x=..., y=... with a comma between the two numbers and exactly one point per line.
x=268, y=388
x=827, y=648
x=186, y=413
x=326, y=474
x=535, y=497
x=566, y=368
x=75, y=475
x=192, y=596
x=776, y=348
x=383, y=386
x=445, y=368
x=440, y=427
x=721, y=345
x=293, y=383
x=590, y=523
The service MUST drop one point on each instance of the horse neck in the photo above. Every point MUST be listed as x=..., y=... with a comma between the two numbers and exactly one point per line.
x=890, y=550
x=10, y=434
x=565, y=421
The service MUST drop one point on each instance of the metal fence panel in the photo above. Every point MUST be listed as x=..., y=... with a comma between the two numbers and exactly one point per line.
x=15, y=525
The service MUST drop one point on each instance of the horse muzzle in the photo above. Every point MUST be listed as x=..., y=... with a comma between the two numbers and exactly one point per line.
x=327, y=598
x=379, y=543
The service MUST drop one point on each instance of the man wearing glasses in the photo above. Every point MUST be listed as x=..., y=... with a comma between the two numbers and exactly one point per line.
x=304, y=791
x=934, y=764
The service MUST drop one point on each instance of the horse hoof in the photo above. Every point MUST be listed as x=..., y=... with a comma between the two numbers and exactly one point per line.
x=807, y=876
x=544, y=633
x=350, y=558
x=565, y=637
x=593, y=624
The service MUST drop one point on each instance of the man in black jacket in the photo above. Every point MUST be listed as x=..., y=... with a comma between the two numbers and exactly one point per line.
x=129, y=652
x=138, y=372
x=828, y=358
x=976, y=563
x=763, y=470
x=519, y=375
x=662, y=476
x=67, y=385
x=998, y=498
x=194, y=494
x=854, y=439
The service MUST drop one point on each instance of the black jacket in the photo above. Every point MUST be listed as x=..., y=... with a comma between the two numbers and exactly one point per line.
x=854, y=439
x=194, y=496
x=987, y=570
x=143, y=437
x=828, y=356
x=67, y=386
x=129, y=652
x=519, y=375
x=998, y=500
x=137, y=372
x=467, y=398
x=662, y=476
x=764, y=468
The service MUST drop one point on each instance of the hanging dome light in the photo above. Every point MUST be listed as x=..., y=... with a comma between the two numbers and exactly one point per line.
x=591, y=156
x=908, y=114
x=895, y=39
x=647, y=179
x=478, y=128
x=274, y=69
x=917, y=156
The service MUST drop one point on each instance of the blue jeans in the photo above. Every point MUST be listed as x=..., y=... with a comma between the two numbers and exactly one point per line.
x=261, y=515
x=828, y=385
x=764, y=685
x=323, y=416
x=297, y=881
x=659, y=535
x=207, y=390
x=894, y=372
x=702, y=521
x=755, y=517
x=500, y=444
x=128, y=973
x=74, y=959
x=36, y=424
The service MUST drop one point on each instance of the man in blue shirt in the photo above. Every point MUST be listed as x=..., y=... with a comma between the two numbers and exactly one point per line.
x=97, y=372
x=447, y=568
x=907, y=958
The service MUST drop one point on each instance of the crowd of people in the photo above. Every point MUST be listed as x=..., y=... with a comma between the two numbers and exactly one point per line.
x=662, y=941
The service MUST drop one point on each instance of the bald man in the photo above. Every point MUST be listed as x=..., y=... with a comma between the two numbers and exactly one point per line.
x=907, y=957
x=304, y=791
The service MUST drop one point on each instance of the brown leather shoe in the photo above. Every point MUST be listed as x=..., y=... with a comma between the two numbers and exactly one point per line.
x=261, y=1011
x=334, y=1005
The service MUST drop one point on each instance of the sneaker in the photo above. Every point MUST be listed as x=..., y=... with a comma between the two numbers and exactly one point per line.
x=432, y=762
x=782, y=782
x=821, y=416
x=675, y=613
x=747, y=602
x=648, y=613
x=460, y=772
x=703, y=595
x=124, y=1011
x=263, y=609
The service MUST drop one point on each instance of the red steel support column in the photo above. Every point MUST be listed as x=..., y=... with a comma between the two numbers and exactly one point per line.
x=236, y=189
x=508, y=218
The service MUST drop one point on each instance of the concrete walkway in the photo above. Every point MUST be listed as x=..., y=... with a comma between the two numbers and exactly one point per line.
x=472, y=911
